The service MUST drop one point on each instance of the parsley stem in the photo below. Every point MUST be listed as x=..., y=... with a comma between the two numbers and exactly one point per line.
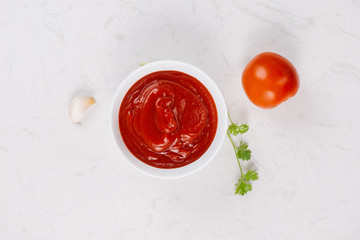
x=227, y=132
x=230, y=121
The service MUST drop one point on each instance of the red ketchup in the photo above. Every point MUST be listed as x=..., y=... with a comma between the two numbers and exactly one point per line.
x=168, y=119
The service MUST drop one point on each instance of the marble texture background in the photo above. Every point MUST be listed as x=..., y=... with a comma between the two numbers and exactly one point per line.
x=62, y=181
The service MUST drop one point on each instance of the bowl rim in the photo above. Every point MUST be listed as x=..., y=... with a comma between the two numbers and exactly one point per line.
x=210, y=153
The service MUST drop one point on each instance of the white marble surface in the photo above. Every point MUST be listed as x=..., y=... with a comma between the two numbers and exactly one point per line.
x=61, y=181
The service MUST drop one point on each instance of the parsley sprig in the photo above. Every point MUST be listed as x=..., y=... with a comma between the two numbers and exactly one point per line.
x=242, y=152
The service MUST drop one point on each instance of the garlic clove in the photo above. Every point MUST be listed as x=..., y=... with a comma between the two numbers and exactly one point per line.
x=79, y=106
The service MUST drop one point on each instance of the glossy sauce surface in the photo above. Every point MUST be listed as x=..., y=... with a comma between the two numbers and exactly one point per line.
x=168, y=119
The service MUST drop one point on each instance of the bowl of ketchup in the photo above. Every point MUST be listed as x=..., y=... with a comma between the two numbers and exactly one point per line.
x=168, y=119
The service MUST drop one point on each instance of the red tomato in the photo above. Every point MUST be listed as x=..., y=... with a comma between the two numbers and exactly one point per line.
x=270, y=79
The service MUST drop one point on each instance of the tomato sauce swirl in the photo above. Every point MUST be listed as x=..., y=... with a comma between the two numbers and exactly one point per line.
x=168, y=119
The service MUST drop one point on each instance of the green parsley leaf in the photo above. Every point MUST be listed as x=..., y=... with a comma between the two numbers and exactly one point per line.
x=235, y=129
x=251, y=175
x=242, y=187
x=243, y=128
x=242, y=152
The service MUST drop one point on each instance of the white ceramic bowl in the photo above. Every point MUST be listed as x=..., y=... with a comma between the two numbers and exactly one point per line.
x=221, y=111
